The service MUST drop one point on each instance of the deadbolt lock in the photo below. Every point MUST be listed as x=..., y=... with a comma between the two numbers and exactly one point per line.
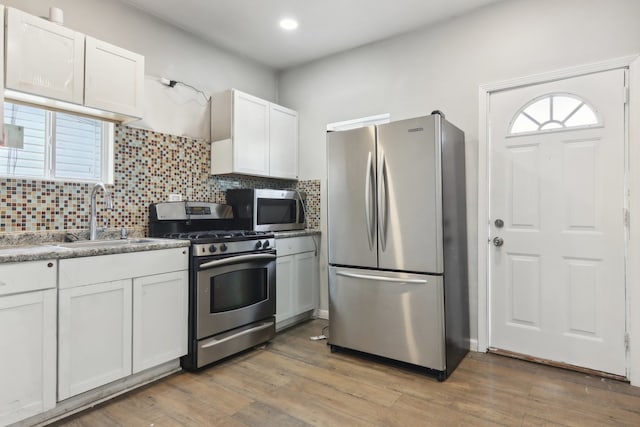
x=499, y=223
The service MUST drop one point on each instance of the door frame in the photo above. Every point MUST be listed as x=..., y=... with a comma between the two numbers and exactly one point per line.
x=632, y=150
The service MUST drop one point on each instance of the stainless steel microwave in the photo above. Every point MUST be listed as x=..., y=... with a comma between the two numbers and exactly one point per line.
x=268, y=210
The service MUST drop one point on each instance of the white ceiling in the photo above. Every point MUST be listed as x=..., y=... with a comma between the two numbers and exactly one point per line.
x=250, y=27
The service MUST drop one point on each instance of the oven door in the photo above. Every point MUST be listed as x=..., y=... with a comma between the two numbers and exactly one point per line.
x=234, y=291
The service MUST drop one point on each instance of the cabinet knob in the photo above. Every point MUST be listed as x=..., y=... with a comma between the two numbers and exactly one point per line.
x=50, y=265
x=184, y=252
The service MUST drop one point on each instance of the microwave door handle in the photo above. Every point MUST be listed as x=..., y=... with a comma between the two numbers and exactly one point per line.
x=236, y=259
x=367, y=201
x=382, y=220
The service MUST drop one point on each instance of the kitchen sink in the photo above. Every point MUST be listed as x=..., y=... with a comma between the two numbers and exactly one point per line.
x=103, y=243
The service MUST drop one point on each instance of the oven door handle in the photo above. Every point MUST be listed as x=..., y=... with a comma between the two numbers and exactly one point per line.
x=236, y=259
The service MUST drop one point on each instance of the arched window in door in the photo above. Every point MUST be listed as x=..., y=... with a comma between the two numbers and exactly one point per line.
x=553, y=112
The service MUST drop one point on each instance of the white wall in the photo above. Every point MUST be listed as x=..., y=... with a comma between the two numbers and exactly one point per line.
x=441, y=68
x=169, y=52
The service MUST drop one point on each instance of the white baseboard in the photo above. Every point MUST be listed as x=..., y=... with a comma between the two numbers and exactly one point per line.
x=101, y=394
x=473, y=344
x=323, y=314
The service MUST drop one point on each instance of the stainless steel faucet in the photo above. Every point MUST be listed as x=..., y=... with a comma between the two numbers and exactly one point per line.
x=93, y=227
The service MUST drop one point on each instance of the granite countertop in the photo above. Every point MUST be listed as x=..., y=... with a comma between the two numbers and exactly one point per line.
x=40, y=247
x=296, y=233
x=84, y=248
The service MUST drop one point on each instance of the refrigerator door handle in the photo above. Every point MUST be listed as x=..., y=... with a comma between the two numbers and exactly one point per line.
x=383, y=278
x=382, y=205
x=367, y=201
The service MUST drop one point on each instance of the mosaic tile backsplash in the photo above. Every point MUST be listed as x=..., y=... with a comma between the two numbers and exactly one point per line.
x=148, y=167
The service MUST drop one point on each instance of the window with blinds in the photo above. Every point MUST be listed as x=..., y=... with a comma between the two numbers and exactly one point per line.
x=57, y=146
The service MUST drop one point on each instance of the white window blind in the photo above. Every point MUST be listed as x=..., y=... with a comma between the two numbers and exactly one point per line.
x=57, y=146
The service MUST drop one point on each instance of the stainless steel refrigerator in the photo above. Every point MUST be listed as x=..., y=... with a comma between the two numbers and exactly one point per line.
x=398, y=282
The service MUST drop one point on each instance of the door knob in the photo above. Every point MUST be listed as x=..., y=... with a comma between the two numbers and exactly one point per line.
x=498, y=241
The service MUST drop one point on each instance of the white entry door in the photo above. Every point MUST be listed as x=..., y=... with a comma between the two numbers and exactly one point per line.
x=557, y=256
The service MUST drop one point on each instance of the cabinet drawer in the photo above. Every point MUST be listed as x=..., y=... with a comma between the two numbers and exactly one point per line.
x=294, y=245
x=107, y=268
x=27, y=276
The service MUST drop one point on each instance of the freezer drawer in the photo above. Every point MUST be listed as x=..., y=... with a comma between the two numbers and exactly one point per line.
x=394, y=315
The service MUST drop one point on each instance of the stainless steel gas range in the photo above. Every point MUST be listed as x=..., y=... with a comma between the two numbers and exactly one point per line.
x=232, y=276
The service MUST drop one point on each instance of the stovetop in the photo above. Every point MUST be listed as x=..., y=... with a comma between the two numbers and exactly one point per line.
x=226, y=242
x=209, y=228
x=219, y=236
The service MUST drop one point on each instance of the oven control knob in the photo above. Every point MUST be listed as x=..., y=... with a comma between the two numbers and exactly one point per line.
x=212, y=248
x=223, y=247
x=258, y=244
x=266, y=244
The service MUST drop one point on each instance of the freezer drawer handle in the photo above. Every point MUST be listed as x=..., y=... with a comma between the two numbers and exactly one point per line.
x=383, y=279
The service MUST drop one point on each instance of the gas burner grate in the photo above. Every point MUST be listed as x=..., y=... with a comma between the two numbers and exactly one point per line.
x=199, y=236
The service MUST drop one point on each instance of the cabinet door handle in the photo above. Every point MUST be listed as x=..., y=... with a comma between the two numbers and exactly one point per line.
x=50, y=265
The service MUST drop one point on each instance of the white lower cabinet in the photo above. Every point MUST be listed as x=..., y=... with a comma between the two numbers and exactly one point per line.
x=307, y=281
x=28, y=353
x=285, y=278
x=94, y=343
x=27, y=339
x=297, y=280
x=160, y=309
x=134, y=319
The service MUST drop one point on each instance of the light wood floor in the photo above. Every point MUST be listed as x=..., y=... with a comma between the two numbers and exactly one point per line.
x=297, y=382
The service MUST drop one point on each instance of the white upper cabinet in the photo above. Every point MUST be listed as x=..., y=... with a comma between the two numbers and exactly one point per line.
x=252, y=136
x=58, y=68
x=114, y=78
x=283, y=136
x=44, y=58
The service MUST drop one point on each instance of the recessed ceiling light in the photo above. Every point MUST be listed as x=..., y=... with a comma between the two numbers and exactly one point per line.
x=288, y=24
